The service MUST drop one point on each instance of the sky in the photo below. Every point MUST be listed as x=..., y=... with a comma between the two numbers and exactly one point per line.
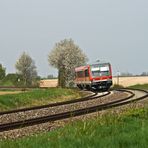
x=112, y=30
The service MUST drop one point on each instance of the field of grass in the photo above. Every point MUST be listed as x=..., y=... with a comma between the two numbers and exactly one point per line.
x=36, y=97
x=140, y=86
x=110, y=131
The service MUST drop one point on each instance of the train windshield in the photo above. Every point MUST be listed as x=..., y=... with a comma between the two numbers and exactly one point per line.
x=100, y=70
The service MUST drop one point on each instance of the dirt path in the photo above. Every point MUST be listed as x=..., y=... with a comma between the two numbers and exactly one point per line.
x=9, y=92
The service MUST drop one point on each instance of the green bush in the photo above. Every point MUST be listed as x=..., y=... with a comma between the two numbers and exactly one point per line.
x=12, y=79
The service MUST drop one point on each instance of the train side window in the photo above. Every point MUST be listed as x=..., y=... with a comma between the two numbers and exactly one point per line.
x=80, y=74
x=86, y=73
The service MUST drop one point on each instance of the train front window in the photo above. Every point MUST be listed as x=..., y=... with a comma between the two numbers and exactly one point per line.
x=100, y=70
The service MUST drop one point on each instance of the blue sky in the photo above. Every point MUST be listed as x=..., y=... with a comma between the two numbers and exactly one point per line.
x=110, y=30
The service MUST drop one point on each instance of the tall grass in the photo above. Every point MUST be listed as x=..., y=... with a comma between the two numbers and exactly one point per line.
x=110, y=131
x=36, y=97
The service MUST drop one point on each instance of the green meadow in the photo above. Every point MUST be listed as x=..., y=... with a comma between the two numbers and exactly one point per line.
x=130, y=129
x=36, y=97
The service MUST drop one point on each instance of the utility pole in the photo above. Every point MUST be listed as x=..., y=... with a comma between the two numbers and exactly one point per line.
x=118, y=74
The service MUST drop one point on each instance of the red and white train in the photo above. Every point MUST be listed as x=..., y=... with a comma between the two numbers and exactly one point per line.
x=95, y=76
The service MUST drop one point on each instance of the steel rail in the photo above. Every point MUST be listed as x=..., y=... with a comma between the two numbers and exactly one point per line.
x=59, y=116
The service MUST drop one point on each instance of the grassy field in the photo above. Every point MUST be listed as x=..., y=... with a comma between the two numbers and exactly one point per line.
x=112, y=130
x=140, y=86
x=36, y=97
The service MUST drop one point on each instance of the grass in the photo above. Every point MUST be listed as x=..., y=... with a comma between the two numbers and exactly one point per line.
x=36, y=97
x=110, y=131
x=140, y=86
x=6, y=83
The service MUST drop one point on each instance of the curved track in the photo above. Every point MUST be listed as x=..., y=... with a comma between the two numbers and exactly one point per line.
x=39, y=120
x=93, y=96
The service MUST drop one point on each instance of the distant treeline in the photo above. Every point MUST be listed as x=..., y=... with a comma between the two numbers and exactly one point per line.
x=127, y=74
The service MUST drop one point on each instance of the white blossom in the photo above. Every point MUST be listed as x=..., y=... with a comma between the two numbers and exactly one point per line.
x=65, y=56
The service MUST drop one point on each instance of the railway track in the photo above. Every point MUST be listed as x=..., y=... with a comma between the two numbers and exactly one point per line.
x=93, y=96
x=64, y=115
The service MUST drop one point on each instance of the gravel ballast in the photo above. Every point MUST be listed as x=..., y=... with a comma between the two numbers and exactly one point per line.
x=26, y=131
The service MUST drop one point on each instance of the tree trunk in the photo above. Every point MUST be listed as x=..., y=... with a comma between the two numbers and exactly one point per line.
x=61, y=78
